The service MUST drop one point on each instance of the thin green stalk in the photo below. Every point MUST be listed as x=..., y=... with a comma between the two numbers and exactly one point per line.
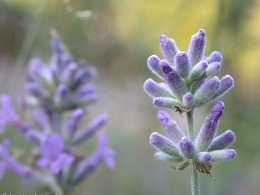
x=194, y=175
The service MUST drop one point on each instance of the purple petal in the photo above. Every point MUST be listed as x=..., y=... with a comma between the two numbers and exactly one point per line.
x=52, y=146
x=43, y=162
x=55, y=167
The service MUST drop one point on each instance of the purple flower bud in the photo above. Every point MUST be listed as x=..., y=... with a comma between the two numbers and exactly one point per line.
x=85, y=134
x=163, y=144
x=153, y=65
x=223, y=155
x=203, y=157
x=226, y=83
x=209, y=128
x=182, y=64
x=169, y=48
x=163, y=117
x=223, y=141
x=86, y=89
x=41, y=118
x=214, y=57
x=161, y=156
x=61, y=97
x=213, y=68
x=197, y=47
x=175, y=83
x=165, y=67
x=83, y=99
x=173, y=131
x=188, y=100
x=72, y=124
x=198, y=71
x=35, y=90
x=206, y=91
x=156, y=90
x=68, y=73
x=187, y=148
x=166, y=102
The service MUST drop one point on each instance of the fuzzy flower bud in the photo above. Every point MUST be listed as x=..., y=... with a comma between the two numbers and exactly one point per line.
x=213, y=68
x=163, y=144
x=214, y=57
x=187, y=148
x=197, y=47
x=156, y=90
x=206, y=91
x=188, y=100
x=223, y=141
x=223, y=155
x=166, y=102
x=153, y=65
x=182, y=64
x=174, y=81
x=169, y=48
x=198, y=71
x=226, y=83
x=209, y=128
x=173, y=131
x=203, y=157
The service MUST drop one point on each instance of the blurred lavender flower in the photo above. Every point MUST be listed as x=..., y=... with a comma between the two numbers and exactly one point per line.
x=51, y=119
x=186, y=72
x=207, y=148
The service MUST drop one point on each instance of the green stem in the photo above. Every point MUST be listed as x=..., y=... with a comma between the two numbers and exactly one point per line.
x=194, y=175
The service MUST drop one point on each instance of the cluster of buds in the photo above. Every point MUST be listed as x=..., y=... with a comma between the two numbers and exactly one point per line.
x=188, y=77
x=189, y=82
x=207, y=147
x=52, y=119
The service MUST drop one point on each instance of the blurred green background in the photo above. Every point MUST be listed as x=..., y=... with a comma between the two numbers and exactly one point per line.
x=117, y=36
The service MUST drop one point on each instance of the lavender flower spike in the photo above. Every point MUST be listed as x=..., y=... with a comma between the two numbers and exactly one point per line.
x=197, y=47
x=187, y=148
x=223, y=141
x=209, y=129
x=169, y=48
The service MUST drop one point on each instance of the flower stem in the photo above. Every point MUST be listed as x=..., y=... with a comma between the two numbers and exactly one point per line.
x=193, y=174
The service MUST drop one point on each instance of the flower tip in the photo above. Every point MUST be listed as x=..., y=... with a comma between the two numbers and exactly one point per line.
x=163, y=117
x=166, y=68
x=163, y=39
x=202, y=32
x=232, y=153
